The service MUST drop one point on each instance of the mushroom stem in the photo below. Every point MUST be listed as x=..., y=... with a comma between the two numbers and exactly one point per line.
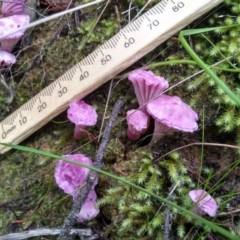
x=78, y=132
x=160, y=130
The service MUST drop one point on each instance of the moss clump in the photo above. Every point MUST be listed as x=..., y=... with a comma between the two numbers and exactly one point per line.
x=214, y=47
x=136, y=215
x=90, y=35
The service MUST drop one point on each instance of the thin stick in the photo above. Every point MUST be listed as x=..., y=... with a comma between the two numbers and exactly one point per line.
x=198, y=144
x=44, y=232
x=4, y=203
x=83, y=193
x=167, y=225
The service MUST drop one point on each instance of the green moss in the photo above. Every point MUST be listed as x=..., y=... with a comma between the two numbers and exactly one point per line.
x=136, y=214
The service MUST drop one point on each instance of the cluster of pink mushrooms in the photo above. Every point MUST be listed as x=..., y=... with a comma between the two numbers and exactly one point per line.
x=170, y=114
x=13, y=18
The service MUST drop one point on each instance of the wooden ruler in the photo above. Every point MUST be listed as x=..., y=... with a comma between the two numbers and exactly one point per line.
x=126, y=47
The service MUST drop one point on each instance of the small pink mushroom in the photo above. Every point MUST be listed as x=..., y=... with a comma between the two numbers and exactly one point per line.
x=6, y=59
x=70, y=176
x=171, y=114
x=147, y=86
x=89, y=209
x=12, y=7
x=9, y=24
x=138, y=123
x=205, y=203
x=82, y=115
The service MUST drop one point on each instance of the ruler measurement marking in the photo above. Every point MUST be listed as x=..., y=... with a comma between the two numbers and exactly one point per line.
x=127, y=30
x=71, y=73
x=48, y=93
x=51, y=87
x=148, y=18
x=163, y=4
x=115, y=41
x=69, y=76
x=59, y=84
x=159, y=9
x=135, y=27
x=44, y=93
x=91, y=58
x=88, y=60
x=153, y=11
x=107, y=46
x=111, y=43
x=11, y=119
x=138, y=25
x=130, y=28
x=94, y=55
x=79, y=65
x=123, y=35
x=162, y=7
x=84, y=62
x=118, y=37
x=25, y=106
x=140, y=20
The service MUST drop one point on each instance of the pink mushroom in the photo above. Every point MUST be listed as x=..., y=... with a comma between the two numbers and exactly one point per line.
x=138, y=123
x=82, y=115
x=6, y=59
x=70, y=176
x=147, y=86
x=171, y=114
x=89, y=209
x=205, y=203
x=9, y=24
x=12, y=7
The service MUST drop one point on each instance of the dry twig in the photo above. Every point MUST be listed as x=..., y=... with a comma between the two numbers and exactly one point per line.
x=45, y=232
x=83, y=193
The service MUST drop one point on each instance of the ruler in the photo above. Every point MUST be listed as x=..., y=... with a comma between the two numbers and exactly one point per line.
x=126, y=47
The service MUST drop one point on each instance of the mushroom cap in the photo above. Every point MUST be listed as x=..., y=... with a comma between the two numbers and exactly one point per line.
x=174, y=113
x=205, y=202
x=12, y=7
x=147, y=86
x=138, y=123
x=6, y=58
x=70, y=176
x=89, y=209
x=9, y=24
x=82, y=114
